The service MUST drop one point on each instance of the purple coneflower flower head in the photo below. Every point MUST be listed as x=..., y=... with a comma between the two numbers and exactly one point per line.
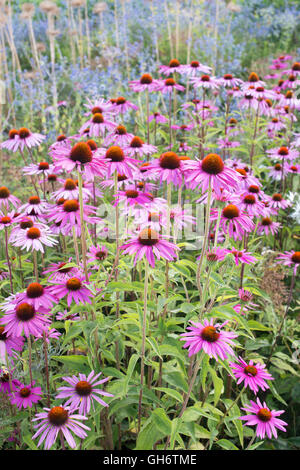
x=6, y=220
x=82, y=391
x=26, y=138
x=119, y=136
x=118, y=161
x=121, y=105
x=267, y=226
x=233, y=221
x=168, y=85
x=9, y=144
x=97, y=254
x=194, y=68
x=75, y=289
x=211, y=338
x=249, y=203
x=99, y=105
x=68, y=214
x=9, y=344
x=97, y=125
x=137, y=147
x=278, y=171
x=33, y=238
x=146, y=82
x=70, y=190
x=150, y=244
x=38, y=296
x=59, y=419
x=41, y=168
x=229, y=81
x=283, y=153
x=227, y=144
x=24, y=318
x=169, y=167
x=24, y=396
x=174, y=66
x=290, y=258
x=277, y=202
x=253, y=375
x=60, y=272
x=215, y=255
x=265, y=419
x=6, y=198
x=65, y=315
x=5, y=385
x=35, y=207
x=242, y=257
x=211, y=171
x=131, y=197
x=206, y=82
x=158, y=118
x=79, y=157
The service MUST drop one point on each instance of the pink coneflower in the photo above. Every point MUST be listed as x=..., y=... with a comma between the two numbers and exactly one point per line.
x=5, y=385
x=43, y=168
x=229, y=81
x=267, y=226
x=249, y=204
x=206, y=82
x=68, y=215
x=211, y=338
x=183, y=127
x=131, y=197
x=146, y=82
x=75, y=289
x=291, y=82
x=290, y=258
x=158, y=118
x=174, y=66
x=215, y=255
x=9, y=144
x=79, y=157
x=276, y=125
x=58, y=420
x=97, y=125
x=294, y=169
x=246, y=178
x=211, y=170
x=97, y=254
x=278, y=171
x=38, y=296
x=233, y=221
x=194, y=68
x=6, y=220
x=50, y=333
x=25, y=138
x=24, y=318
x=169, y=168
x=35, y=207
x=137, y=147
x=168, y=85
x=253, y=375
x=118, y=161
x=289, y=100
x=33, y=238
x=26, y=395
x=227, y=144
x=121, y=105
x=9, y=344
x=248, y=102
x=277, y=202
x=70, y=191
x=100, y=105
x=119, y=136
x=82, y=391
x=265, y=419
x=65, y=315
x=6, y=198
x=283, y=153
x=242, y=257
x=150, y=244
x=253, y=81
x=60, y=272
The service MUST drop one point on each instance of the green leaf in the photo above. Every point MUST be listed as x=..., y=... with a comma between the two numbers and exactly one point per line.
x=170, y=392
x=78, y=363
x=162, y=421
x=227, y=445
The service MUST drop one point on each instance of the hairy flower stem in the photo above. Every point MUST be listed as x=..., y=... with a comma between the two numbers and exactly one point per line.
x=143, y=345
x=82, y=224
x=169, y=201
x=199, y=269
x=8, y=260
x=75, y=245
x=30, y=359
x=116, y=267
x=283, y=318
x=253, y=138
